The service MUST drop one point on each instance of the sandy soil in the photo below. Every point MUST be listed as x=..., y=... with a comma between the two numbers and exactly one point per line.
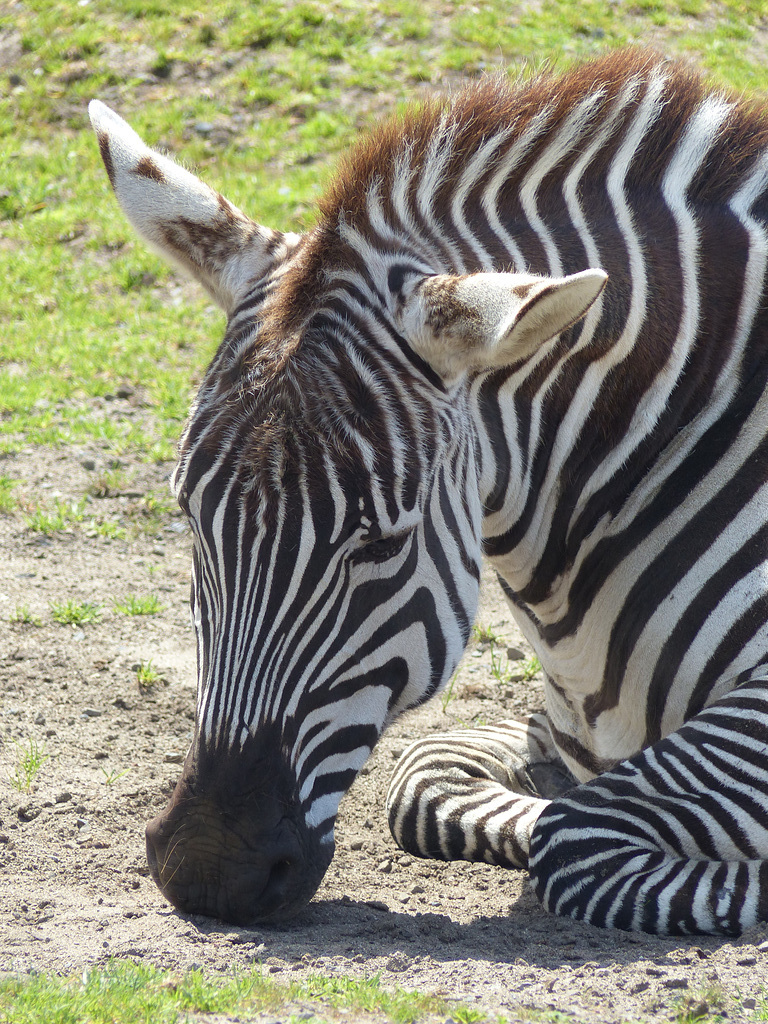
x=74, y=887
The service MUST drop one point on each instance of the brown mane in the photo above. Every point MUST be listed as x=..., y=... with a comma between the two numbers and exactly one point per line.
x=477, y=112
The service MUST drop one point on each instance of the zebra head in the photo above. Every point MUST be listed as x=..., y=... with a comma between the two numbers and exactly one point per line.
x=330, y=476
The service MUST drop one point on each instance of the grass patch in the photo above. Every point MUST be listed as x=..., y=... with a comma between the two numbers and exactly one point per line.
x=147, y=604
x=530, y=668
x=290, y=86
x=57, y=519
x=29, y=760
x=111, y=776
x=128, y=993
x=147, y=675
x=75, y=613
x=22, y=616
x=107, y=528
x=8, y=500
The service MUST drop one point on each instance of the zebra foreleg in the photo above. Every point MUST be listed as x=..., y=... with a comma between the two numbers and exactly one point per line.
x=475, y=794
x=673, y=841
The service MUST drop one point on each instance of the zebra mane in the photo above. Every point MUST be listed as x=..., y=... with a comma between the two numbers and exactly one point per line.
x=435, y=142
x=482, y=110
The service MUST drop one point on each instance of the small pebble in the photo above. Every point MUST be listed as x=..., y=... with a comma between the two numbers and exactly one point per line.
x=63, y=796
x=377, y=905
x=91, y=713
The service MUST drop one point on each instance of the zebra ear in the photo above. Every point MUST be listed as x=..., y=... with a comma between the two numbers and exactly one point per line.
x=481, y=321
x=182, y=218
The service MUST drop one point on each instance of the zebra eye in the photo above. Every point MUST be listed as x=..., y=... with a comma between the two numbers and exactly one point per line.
x=379, y=549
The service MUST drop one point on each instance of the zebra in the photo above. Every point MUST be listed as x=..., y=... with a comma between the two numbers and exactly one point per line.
x=529, y=325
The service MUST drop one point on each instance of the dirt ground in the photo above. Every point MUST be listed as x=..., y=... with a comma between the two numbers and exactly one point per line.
x=74, y=886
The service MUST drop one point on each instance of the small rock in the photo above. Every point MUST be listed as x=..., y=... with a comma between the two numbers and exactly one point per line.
x=396, y=963
x=63, y=796
x=39, y=718
x=515, y=654
x=27, y=812
x=357, y=844
x=377, y=905
x=92, y=713
x=174, y=758
x=385, y=866
x=125, y=391
x=749, y=1004
x=697, y=1010
x=417, y=889
x=88, y=464
x=675, y=983
x=747, y=961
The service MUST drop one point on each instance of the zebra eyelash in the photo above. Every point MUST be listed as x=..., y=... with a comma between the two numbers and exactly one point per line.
x=377, y=548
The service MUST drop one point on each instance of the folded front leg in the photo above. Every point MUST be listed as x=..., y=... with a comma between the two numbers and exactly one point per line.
x=475, y=794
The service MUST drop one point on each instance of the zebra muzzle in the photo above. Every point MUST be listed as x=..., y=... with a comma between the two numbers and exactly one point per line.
x=243, y=857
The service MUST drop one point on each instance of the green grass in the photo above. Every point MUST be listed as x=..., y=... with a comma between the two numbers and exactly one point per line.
x=128, y=993
x=8, y=500
x=23, y=616
x=30, y=758
x=63, y=515
x=112, y=775
x=147, y=676
x=105, y=528
x=75, y=613
x=291, y=84
x=134, y=604
x=530, y=668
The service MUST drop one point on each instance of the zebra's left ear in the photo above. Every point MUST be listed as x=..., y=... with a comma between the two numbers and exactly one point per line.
x=482, y=321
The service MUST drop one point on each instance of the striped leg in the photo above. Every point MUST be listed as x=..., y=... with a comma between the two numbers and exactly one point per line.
x=475, y=794
x=674, y=840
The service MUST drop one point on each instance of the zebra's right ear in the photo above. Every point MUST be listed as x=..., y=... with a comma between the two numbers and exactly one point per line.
x=482, y=321
x=182, y=218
